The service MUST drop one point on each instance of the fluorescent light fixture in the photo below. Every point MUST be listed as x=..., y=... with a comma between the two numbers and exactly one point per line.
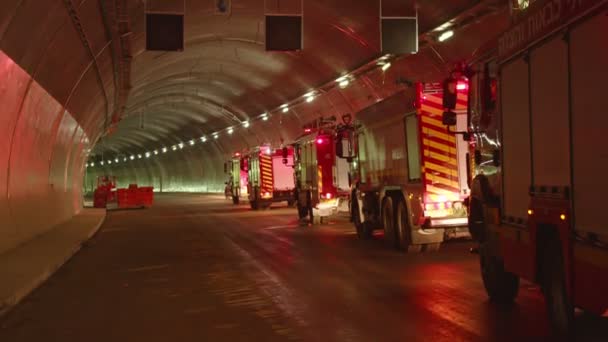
x=139, y=156
x=192, y=142
x=203, y=139
x=310, y=98
x=230, y=130
x=125, y=159
x=342, y=79
x=155, y=152
x=443, y=26
x=285, y=105
x=92, y=164
x=101, y=162
x=286, y=109
x=132, y=157
x=174, y=147
x=116, y=160
x=147, y=154
x=216, y=135
x=386, y=66
x=164, y=150
x=109, y=162
x=181, y=145
x=344, y=83
x=264, y=117
x=446, y=35
x=246, y=124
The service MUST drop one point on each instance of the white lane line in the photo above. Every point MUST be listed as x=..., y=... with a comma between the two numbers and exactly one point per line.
x=281, y=227
x=148, y=268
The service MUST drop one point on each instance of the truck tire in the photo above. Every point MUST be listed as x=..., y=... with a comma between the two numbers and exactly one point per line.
x=404, y=231
x=235, y=199
x=476, y=220
x=501, y=286
x=364, y=231
x=255, y=205
x=302, y=211
x=388, y=222
x=553, y=282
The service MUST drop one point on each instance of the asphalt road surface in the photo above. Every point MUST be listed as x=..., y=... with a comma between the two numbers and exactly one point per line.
x=197, y=268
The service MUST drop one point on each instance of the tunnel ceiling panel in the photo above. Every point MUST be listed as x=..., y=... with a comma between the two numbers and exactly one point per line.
x=224, y=75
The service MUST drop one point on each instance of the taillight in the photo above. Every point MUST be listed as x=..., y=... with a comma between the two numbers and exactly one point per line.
x=328, y=195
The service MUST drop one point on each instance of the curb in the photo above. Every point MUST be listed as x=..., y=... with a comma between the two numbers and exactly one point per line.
x=9, y=303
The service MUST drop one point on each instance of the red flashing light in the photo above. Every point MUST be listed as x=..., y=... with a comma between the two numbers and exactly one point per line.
x=462, y=86
x=328, y=195
x=319, y=141
x=307, y=130
x=237, y=154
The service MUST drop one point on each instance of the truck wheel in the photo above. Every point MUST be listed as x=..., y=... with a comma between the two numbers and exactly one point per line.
x=432, y=247
x=404, y=232
x=388, y=222
x=476, y=220
x=364, y=232
x=235, y=199
x=559, y=305
x=302, y=211
x=255, y=205
x=501, y=286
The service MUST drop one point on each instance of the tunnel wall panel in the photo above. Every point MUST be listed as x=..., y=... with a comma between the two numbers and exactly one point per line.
x=41, y=154
x=33, y=27
x=68, y=54
x=28, y=187
x=12, y=91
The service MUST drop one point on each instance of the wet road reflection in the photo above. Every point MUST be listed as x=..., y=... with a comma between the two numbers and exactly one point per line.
x=198, y=268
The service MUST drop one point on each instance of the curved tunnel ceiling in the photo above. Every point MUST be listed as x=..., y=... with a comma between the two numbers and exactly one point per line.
x=224, y=76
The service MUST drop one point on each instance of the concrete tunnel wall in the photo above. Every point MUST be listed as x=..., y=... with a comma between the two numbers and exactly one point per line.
x=52, y=106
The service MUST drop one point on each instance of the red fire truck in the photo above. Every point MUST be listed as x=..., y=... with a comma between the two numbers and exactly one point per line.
x=270, y=176
x=323, y=156
x=411, y=170
x=536, y=203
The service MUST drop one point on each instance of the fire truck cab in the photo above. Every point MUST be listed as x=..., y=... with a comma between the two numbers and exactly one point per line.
x=411, y=170
x=322, y=167
x=270, y=176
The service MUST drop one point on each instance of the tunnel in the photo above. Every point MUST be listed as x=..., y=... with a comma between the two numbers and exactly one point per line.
x=80, y=89
x=83, y=96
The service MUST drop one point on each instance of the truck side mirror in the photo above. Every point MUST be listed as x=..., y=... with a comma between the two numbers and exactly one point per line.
x=344, y=144
x=449, y=118
x=449, y=93
x=285, y=152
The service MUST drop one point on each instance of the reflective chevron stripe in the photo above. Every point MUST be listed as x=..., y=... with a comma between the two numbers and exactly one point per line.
x=440, y=171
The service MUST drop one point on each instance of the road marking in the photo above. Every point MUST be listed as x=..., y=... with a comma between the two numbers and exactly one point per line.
x=148, y=268
x=282, y=227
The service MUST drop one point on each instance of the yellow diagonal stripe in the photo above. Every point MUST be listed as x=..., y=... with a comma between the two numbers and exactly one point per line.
x=443, y=136
x=441, y=157
x=433, y=122
x=439, y=146
x=438, y=191
x=432, y=110
x=442, y=180
x=441, y=169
